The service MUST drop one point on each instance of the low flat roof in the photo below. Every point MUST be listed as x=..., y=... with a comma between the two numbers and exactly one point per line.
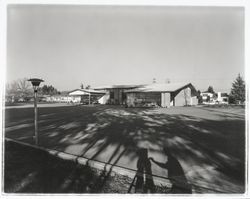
x=166, y=87
x=78, y=92
x=117, y=86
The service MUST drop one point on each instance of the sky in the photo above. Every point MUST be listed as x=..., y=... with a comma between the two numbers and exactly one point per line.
x=105, y=45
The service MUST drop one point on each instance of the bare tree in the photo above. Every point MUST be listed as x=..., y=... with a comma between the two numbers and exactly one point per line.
x=24, y=87
x=20, y=88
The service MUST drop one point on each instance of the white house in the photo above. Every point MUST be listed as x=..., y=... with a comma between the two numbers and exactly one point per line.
x=86, y=96
x=59, y=98
x=214, y=98
x=222, y=98
x=207, y=97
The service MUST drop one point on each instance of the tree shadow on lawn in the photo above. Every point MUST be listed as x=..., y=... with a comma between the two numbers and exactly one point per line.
x=211, y=151
x=29, y=170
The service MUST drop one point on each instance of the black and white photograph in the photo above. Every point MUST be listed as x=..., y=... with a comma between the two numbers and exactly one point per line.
x=124, y=99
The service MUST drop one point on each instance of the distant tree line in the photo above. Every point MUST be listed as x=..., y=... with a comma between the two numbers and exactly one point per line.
x=48, y=90
x=21, y=90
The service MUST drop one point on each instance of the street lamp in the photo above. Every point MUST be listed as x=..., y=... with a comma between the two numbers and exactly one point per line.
x=35, y=83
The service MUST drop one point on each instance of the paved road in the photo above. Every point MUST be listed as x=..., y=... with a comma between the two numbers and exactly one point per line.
x=199, y=146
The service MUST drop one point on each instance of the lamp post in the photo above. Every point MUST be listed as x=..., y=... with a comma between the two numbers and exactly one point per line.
x=35, y=83
x=89, y=98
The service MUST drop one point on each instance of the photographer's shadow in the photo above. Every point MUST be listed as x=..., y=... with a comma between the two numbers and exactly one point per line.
x=176, y=174
x=143, y=179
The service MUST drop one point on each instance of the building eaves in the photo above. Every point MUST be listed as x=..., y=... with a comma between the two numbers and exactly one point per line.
x=171, y=87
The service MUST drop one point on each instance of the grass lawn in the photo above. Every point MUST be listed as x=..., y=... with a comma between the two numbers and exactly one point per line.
x=201, y=146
